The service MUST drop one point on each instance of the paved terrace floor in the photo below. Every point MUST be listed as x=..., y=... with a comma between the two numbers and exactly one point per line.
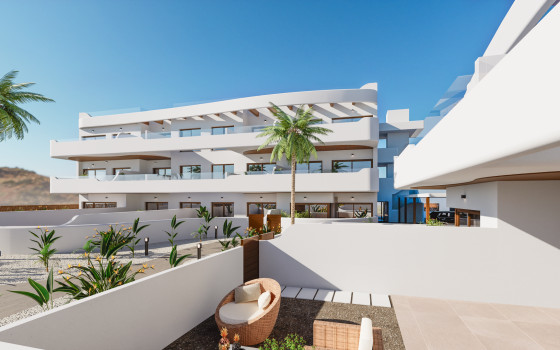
x=434, y=324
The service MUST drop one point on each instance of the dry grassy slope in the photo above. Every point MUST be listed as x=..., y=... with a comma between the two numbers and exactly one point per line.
x=24, y=187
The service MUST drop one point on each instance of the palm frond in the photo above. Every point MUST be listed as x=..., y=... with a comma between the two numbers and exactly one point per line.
x=14, y=119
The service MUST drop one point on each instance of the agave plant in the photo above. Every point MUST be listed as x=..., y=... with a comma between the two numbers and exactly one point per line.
x=44, y=241
x=43, y=295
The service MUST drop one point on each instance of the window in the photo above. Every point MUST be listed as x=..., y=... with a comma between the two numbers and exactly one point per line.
x=190, y=172
x=466, y=217
x=220, y=171
x=95, y=173
x=382, y=143
x=354, y=210
x=156, y=205
x=259, y=207
x=163, y=171
x=222, y=130
x=350, y=166
x=93, y=137
x=121, y=171
x=189, y=132
x=194, y=205
x=311, y=167
x=91, y=205
x=222, y=209
x=383, y=211
x=314, y=210
x=261, y=167
x=382, y=172
x=347, y=119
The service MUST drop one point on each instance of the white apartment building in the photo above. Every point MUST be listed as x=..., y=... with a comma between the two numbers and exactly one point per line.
x=499, y=144
x=206, y=154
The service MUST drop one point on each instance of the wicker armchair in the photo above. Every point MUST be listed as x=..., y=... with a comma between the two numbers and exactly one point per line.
x=256, y=330
x=341, y=336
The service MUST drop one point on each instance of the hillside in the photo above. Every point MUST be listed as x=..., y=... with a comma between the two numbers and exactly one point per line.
x=24, y=187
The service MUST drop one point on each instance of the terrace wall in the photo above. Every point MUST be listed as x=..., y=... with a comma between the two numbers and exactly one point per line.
x=15, y=239
x=502, y=265
x=147, y=314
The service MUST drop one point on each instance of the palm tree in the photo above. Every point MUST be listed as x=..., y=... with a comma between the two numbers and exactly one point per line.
x=13, y=119
x=294, y=137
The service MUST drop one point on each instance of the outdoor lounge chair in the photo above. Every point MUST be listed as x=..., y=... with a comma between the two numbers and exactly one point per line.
x=258, y=324
x=341, y=336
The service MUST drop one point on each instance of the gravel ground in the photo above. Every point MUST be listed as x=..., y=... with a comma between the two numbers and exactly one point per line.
x=18, y=268
x=32, y=311
x=297, y=316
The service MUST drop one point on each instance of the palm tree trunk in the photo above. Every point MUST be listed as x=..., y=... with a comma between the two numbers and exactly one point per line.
x=293, y=193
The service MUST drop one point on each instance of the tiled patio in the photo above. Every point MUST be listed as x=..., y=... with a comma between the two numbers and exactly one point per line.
x=434, y=324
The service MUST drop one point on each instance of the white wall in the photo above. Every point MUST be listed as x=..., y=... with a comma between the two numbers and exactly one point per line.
x=505, y=265
x=482, y=197
x=15, y=240
x=507, y=124
x=45, y=217
x=147, y=314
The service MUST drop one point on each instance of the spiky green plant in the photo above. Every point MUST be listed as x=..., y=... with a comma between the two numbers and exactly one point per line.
x=228, y=231
x=293, y=137
x=44, y=241
x=204, y=214
x=134, y=230
x=175, y=259
x=43, y=295
x=14, y=119
x=174, y=225
x=105, y=271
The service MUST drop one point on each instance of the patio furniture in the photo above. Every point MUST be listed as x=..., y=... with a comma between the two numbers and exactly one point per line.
x=258, y=324
x=329, y=335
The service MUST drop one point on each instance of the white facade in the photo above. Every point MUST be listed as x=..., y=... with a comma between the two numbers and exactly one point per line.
x=134, y=160
x=500, y=143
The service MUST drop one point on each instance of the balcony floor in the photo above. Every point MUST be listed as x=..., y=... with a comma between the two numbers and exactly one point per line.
x=296, y=316
x=449, y=324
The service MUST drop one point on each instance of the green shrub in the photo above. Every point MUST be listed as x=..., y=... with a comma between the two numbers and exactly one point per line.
x=434, y=222
x=290, y=342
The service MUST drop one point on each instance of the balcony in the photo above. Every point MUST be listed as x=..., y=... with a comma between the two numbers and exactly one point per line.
x=365, y=180
x=362, y=131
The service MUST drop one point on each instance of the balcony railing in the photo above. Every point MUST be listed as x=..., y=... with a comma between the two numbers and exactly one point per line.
x=149, y=135
x=195, y=176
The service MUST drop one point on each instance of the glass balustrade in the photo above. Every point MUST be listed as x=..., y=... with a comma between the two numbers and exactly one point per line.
x=188, y=132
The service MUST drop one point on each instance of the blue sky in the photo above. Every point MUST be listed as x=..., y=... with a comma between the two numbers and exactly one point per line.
x=104, y=55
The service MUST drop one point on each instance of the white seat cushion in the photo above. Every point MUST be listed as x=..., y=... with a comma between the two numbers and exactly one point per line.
x=234, y=313
x=264, y=300
x=366, y=335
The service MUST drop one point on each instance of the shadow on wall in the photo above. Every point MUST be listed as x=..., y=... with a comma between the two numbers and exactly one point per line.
x=289, y=271
x=532, y=207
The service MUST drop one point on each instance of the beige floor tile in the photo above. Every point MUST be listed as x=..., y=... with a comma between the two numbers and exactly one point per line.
x=410, y=331
x=441, y=326
x=472, y=309
x=554, y=313
x=548, y=336
x=497, y=334
x=519, y=313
